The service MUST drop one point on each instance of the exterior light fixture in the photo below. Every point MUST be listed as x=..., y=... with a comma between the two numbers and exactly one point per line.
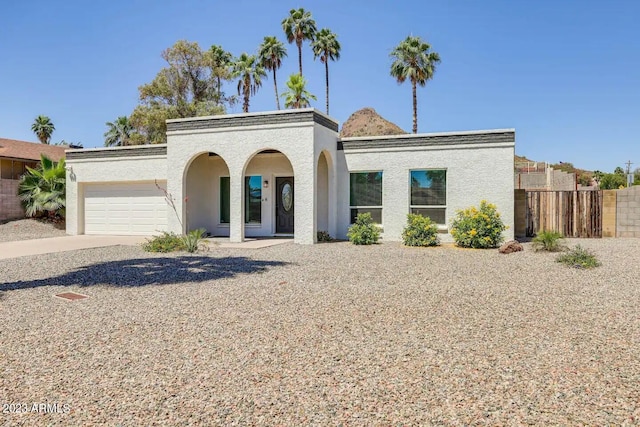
x=266, y=183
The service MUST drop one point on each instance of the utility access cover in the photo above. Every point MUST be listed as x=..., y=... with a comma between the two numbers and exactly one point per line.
x=71, y=296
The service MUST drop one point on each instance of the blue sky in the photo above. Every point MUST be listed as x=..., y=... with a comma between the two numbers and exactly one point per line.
x=564, y=74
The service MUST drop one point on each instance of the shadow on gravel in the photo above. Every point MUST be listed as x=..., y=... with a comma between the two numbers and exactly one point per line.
x=151, y=271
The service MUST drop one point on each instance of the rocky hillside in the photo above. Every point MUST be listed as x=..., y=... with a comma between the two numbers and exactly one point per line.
x=367, y=122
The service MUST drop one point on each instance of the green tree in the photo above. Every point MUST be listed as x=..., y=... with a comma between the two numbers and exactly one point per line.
x=612, y=181
x=414, y=60
x=220, y=62
x=326, y=47
x=271, y=53
x=298, y=27
x=184, y=88
x=250, y=73
x=43, y=189
x=118, y=132
x=297, y=96
x=43, y=128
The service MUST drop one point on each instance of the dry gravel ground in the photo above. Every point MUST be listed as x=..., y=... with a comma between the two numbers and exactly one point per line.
x=27, y=229
x=329, y=334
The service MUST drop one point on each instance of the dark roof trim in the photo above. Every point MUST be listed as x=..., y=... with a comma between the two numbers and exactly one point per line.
x=428, y=140
x=240, y=120
x=108, y=153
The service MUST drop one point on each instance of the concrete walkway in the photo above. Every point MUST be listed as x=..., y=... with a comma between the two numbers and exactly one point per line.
x=61, y=244
x=73, y=243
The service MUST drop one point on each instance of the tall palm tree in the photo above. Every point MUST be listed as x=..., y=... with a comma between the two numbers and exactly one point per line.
x=271, y=53
x=299, y=26
x=43, y=190
x=119, y=132
x=43, y=128
x=327, y=47
x=250, y=71
x=220, y=61
x=414, y=60
x=297, y=96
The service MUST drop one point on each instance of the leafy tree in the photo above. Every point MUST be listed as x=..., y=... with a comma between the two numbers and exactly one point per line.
x=43, y=189
x=271, y=53
x=220, y=62
x=43, y=128
x=250, y=72
x=118, y=133
x=326, y=47
x=297, y=96
x=414, y=60
x=636, y=177
x=612, y=181
x=298, y=27
x=184, y=88
x=619, y=171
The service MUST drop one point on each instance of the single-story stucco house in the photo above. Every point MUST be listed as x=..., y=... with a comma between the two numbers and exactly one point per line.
x=285, y=173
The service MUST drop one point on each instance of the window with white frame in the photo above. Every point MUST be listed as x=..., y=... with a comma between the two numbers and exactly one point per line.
x=365, y=195
x=429, y=194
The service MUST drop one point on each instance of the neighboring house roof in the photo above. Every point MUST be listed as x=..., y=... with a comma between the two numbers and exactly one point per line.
x=23, y=150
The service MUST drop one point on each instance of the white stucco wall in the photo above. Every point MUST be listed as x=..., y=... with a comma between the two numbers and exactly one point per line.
x=106, y=170
x=475, y=172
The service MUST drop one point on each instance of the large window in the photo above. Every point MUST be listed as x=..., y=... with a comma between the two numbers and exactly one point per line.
x=429, y=194
x=253, y=199
x=366, y=195
x=225, y=200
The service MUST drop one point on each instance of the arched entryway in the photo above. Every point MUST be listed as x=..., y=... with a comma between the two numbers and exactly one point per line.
x=207, y=199
x=268, y=195
x=322, y=192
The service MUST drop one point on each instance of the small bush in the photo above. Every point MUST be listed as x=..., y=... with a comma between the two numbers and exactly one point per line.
x=166, y=242
x=420, y=231
x=579, y=257
x=478, y=228
x=324, y=236
x=547, y=241
x=364, y=231
x=194, y=241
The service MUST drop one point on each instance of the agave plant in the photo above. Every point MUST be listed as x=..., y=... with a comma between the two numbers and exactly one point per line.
x=43, y=190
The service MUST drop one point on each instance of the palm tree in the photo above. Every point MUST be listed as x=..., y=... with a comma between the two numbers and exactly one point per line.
x=414, y=60
x=220, y=61
x=297, y=96
x=327, y=47
x=250, y=71
x=42, y=190
x=271, y=53
x=119, y=132
x=43, y=128
x=299, y=26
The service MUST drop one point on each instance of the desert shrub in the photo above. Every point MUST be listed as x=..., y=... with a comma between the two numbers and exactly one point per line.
x=579, y=257
x=364, y=231
x=478, y=228
x=194, y=241
x=549, y=241
x=324, y=236
x=420, y=231
x=165, y=242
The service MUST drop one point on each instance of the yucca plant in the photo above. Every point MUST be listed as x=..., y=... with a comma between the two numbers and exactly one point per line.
x=43, y=190
x=194, y=241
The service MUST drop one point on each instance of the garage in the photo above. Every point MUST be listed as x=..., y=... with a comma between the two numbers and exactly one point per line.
x=129, y=208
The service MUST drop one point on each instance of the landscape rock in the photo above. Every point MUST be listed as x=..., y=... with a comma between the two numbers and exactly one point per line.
x=510, y=247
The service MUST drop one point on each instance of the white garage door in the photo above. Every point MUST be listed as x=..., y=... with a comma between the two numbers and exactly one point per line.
x=125, y=208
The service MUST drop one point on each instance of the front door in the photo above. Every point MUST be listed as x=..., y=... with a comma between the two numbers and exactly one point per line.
x=284, y=205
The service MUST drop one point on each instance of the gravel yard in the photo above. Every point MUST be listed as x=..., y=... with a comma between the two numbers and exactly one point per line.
x=27, y=229
x=329, y=334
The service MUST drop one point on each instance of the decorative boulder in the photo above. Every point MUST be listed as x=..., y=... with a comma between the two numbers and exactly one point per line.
x=511, y=246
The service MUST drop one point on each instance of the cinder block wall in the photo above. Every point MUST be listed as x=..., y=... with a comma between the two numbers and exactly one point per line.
x=10, y=207
x=628, y=212
x=520, y=213
x=609, y=213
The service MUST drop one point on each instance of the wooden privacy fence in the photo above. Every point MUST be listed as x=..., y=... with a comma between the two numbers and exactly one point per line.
x=571, y=213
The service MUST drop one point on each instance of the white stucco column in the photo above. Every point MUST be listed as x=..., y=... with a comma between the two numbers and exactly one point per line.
x=236, y=205
x=305, y=201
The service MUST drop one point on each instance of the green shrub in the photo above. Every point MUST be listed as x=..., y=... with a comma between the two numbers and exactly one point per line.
x=165, y=242
x=324, y=236
x=420, y=231
x=579, y=257
x=548, y=241
x=194, y=241
x=364, y=231
x=478, y=228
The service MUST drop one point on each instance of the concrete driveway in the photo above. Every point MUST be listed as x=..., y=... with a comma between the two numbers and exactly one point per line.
x=62, y=244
